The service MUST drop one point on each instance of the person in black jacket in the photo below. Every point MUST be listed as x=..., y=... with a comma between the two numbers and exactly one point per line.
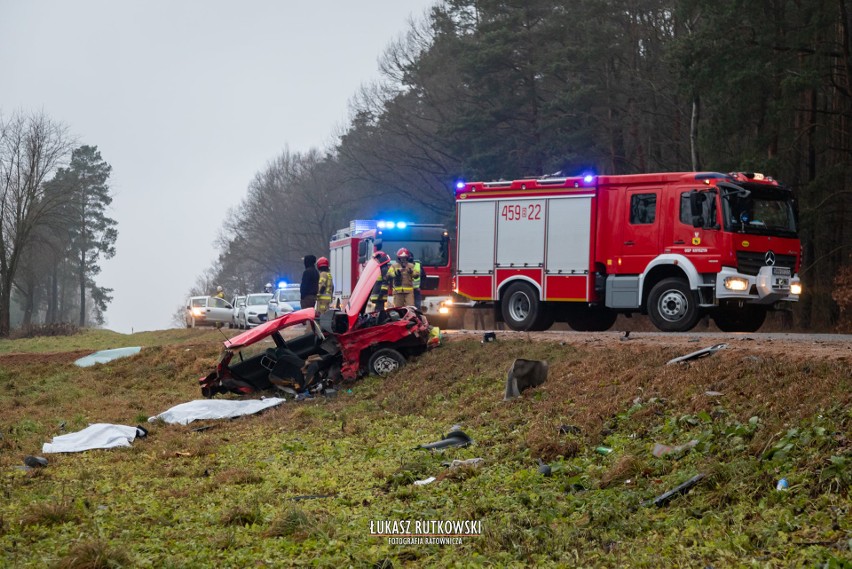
x=310, y=282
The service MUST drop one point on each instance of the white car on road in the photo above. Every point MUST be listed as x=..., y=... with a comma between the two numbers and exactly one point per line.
x=285, y=300
x=238, y=302
x=208, y=311
x=254, y=312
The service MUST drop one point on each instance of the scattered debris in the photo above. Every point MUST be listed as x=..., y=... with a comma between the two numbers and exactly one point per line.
x=782, y=485
x=663, y=450
x=569, y=430
x=459, y=463
x=185, y=413
x=425, y=481
x=35, y=461
x=489, y=337
x=330, y=392
x=455, y=438
x=99, y=435
x=693, y=340
x=61, y=427
x=625, y=336
x=697, y=355
x=665, y=498
x=524, y=374
x=544, y=468
x=603, y=450
x=713, y=393
x=105, y=356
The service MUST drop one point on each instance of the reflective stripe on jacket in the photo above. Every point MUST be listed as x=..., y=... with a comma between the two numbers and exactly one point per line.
x=402, y=279
x=326, y=286
x=417, y=270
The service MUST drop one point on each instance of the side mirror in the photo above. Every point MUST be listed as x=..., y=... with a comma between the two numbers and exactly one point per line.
x=696, y=207
x=362, y=252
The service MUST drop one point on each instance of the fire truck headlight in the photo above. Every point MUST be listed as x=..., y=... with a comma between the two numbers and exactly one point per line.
x=443, y=310
x=736, y=283
x=796, y=288
x=448, y=302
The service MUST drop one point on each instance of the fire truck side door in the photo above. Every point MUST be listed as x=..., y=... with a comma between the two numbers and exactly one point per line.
x=640, y=236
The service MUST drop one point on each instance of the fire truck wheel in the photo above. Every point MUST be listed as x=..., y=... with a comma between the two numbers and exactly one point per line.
x=672, y=306
x=749, y=318
x=385, y=361
x=521, y=308
x=545, y=320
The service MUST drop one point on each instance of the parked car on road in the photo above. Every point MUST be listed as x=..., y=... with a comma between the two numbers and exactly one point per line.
x=207, y=311
x=238, y=302
x=285, y=300
x=254, y=312
x=344, y=344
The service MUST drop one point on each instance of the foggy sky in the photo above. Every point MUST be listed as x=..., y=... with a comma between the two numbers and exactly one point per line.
x=187, y=100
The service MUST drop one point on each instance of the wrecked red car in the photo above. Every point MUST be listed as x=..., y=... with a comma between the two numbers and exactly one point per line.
x=340, y=345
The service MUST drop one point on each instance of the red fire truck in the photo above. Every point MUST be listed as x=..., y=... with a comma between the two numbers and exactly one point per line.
x=351, y=247
x=674, y=246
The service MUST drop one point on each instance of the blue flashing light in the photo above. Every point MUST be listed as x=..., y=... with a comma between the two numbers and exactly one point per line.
x=588, y=178
x=460, y=185
x=282, y=284
x=381, y=224
x=401, y=225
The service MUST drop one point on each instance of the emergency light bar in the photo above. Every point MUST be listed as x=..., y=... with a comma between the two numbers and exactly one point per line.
x=282, y=284
x=392, y=225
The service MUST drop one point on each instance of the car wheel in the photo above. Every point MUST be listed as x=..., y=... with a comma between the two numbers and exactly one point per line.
x=385, y=361
x=521, y=308
x=672, y=306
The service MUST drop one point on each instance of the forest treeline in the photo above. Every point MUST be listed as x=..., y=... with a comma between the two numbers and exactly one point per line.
x=491, y=89
x=54, y=225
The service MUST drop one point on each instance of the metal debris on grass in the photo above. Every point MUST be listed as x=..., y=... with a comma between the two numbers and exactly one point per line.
x=703, y=353
x=105, y=356
x=524, y=374
x=665, y=498
x=455, y=438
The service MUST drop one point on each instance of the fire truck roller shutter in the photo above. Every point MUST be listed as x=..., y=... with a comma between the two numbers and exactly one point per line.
x=475, y=253
x=567, y=265
x=520, y=230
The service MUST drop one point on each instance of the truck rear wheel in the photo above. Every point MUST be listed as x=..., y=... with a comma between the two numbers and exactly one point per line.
x=672, y=306
x=749, y=318
x=521, y=308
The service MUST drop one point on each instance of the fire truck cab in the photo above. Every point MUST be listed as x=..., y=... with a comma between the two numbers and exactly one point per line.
x=353, y=246
x=674, y=246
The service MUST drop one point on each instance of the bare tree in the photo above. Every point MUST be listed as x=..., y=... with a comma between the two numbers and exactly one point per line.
x=32, y=146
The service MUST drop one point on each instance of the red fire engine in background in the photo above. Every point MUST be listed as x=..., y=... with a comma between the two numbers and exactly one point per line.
x=674, y=246
x=353, y=246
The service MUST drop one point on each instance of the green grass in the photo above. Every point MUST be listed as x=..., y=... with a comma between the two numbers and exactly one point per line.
x=233, y=495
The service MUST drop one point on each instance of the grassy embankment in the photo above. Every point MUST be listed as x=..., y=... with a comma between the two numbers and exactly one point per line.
x=229, y=496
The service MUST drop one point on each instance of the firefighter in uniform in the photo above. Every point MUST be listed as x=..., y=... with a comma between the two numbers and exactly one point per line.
x=220, y=292
x=401, y=275
x=326, y=285
x=379, y=294
x=418, y=297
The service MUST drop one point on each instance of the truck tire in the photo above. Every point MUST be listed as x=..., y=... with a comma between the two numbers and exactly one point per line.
x=385, y=361
x=590, y=319
x=672, y=306
x=521, y=308
x=545, y=320
x=749, y=318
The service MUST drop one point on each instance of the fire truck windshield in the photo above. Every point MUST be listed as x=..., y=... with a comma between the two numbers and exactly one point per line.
x=429, y=253
x=758, y=210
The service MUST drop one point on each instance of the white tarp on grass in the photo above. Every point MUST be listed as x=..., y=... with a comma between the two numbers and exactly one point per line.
x=99, y=435
x=186, y=413
x=105, y=356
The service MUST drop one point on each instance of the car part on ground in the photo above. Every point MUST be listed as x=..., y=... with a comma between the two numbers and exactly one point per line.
x=524, y=374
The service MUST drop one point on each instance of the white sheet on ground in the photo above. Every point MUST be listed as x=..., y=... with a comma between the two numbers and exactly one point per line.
x=105, y=356
x=186, y=413
x=99, y=435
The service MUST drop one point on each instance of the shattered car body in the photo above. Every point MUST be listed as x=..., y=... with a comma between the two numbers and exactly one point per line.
x=345, y=344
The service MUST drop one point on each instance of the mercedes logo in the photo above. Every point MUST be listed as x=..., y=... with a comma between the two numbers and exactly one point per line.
x=769, y=258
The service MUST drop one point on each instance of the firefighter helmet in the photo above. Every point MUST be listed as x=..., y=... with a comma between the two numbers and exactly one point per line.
x=322, y=262
x=403, y=253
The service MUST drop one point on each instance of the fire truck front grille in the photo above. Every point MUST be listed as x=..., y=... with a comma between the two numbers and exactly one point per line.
x=749, y=262
x=429, y=283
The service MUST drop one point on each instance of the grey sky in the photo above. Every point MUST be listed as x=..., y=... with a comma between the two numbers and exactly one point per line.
x=187, y=100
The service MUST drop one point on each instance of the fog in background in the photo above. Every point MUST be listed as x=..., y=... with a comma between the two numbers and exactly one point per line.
x=187, y=100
